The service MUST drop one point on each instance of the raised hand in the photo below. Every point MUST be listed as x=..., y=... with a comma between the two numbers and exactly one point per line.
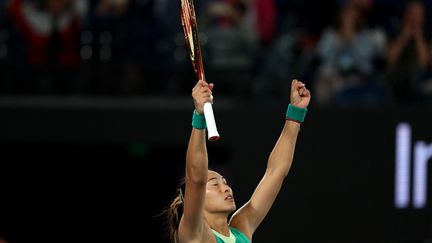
x=202, y=93
x=300, y=95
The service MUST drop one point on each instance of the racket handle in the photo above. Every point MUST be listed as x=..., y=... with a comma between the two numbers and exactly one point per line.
x=213, y=134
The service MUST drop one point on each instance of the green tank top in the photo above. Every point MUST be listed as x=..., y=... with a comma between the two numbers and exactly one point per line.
x=236, y=236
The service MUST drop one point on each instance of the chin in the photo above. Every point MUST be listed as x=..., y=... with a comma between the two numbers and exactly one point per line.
x=230, y=209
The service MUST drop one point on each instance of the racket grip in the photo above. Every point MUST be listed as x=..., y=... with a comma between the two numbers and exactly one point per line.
x=213, y=134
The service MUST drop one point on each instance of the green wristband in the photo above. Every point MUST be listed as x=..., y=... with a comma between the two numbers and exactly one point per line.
x=296, y=113
x=198, y=121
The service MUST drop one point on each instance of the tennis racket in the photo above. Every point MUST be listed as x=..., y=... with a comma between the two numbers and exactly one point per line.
x=190, y=29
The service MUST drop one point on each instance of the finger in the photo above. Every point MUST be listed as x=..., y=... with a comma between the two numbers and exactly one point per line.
x=202, y=83
x=301, y=91
x=206, y=95
x=211, y=86
x=205, y=90
x=300, y=84
x=206, y=99
x=197, y=85
x=305, y=93
x=297, y=84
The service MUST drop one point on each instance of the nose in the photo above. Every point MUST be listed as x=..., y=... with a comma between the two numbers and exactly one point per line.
x=226, y=188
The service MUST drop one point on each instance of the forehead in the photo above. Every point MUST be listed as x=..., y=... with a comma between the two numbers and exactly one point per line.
x=214, y=174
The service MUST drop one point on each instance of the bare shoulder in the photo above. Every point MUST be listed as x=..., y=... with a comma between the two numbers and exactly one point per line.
x=204, y=235
x=240, y=221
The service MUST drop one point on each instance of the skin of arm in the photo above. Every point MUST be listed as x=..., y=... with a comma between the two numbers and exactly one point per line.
x=422, y=49
x=249, y=217
x=412, y=30
x=396, y=48
x=191, y=228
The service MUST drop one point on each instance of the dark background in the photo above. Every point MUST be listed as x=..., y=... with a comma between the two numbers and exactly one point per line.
x=111, y=175
x=94, y=127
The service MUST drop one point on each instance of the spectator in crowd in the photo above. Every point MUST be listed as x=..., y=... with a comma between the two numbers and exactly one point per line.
x=50, y=30
x=409, y=55
x=347, y=54
x=125, y=34
x=291, y=54
x=106, y=21
x=261, y=18
x=231, y=45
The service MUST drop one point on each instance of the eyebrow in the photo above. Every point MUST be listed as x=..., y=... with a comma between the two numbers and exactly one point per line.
x=213, y=178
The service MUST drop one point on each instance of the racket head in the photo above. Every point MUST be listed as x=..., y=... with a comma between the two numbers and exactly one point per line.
x=190, y=29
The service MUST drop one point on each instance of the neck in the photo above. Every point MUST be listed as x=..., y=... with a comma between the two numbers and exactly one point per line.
x=218, y=222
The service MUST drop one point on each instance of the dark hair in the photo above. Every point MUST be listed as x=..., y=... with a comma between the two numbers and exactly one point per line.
x=175, y=212
x=360, y=24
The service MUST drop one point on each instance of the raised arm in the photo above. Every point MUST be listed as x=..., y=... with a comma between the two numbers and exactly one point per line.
x=422, y=48
x=192, y=222
x=249, y=217
x=397, y=46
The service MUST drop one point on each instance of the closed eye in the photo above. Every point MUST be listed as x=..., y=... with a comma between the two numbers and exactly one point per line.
x=213, y=180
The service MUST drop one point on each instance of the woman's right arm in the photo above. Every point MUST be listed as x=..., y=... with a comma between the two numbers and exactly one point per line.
x=422, y=48
x=192, y=222
x=397, y=46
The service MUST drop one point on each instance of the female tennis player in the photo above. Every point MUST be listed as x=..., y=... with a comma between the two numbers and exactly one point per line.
x=199, y=213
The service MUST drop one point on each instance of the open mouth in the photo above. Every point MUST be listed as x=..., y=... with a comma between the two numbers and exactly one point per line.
x=229, y=197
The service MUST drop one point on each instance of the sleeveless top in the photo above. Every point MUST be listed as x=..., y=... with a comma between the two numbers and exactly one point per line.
x=236, y=236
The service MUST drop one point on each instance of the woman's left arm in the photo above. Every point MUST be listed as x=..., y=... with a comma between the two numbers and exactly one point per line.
x=248, y=218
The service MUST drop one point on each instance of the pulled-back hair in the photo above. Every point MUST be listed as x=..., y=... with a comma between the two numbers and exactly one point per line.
x=175, y=212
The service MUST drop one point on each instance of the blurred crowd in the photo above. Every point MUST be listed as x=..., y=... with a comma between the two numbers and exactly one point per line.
x=349, y=52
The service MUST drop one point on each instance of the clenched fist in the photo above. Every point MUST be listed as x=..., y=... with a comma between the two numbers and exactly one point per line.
x=300, y=95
